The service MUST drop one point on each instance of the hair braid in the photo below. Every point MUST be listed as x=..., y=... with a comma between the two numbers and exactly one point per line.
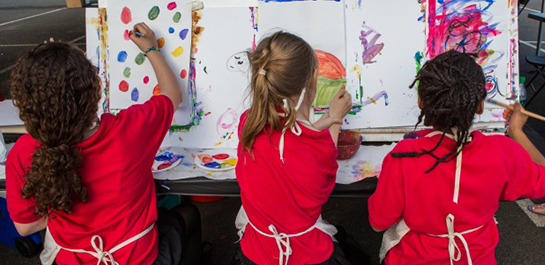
x=451, y=88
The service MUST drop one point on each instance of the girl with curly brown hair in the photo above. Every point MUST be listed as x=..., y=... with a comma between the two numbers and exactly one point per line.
x=89, y=180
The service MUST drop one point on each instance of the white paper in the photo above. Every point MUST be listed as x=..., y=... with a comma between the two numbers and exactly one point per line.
x=221, y=80
x=141, y=81
x=9, y=114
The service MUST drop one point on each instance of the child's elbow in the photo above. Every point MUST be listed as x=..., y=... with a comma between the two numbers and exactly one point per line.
x=376, y=230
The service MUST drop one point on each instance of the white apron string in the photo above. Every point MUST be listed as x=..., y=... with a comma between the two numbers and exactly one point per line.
x=295, y=129
x=106, y=257
x=453, y=250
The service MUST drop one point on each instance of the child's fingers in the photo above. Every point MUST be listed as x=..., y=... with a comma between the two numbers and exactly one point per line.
x=146, y=26
x=140, y=28
x=340, y=93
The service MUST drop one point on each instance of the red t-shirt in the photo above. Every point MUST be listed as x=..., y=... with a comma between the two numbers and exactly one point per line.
x=120, y=189
x=494, y=168
x=289, y=196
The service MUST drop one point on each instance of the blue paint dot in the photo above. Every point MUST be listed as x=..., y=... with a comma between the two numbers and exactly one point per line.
x=171, y=30
x=122, y=56
x=183, y=34
x=134, y=94
x=213, y=165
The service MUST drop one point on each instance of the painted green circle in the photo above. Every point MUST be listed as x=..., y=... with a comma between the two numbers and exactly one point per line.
x=140, y=58
x=153, y=13
x=127, y=72
x=176, y=18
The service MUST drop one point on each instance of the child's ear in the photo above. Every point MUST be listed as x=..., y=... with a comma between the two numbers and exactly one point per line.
x=480, y=108
x=420, y=103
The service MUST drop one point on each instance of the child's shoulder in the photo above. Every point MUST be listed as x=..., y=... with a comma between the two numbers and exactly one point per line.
x=24, y=147
x=501, y=141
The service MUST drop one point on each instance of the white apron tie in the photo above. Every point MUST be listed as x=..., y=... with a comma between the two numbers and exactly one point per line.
x=103, y=257
x=295, y=129
x=282, y=239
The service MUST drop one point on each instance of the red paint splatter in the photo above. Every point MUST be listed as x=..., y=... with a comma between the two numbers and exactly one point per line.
x=208, y=113
x=146, y=79
x=126, y=15
x=126, y=35
x=183, y=74
x=163, y=166
x=156, y=90
x=207, y=160
x=124, y=86
x=221, y=156
x=171, y=5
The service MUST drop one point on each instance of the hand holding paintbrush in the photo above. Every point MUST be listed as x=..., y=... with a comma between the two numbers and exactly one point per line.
x=512, y=108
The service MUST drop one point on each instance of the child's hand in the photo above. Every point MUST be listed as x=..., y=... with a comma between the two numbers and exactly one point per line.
x=147, y=38
x=516, y=119
x=340, y=105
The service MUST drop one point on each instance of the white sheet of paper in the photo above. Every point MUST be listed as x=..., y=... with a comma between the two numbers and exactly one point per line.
x=9, y=115
x=138, y=81
x=221, y=78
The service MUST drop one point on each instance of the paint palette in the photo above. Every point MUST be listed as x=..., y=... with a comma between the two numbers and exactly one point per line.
x=165, y=160
x=217, y=160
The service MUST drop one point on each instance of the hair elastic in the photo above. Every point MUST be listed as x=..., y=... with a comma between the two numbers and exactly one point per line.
x=262, y=72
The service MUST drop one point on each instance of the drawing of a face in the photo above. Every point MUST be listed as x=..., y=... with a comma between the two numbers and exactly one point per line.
x=238, y=63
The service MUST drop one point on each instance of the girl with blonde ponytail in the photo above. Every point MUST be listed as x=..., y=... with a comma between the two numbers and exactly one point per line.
x=288, y=164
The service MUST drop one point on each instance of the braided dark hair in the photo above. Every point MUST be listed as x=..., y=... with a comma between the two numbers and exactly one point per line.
x=451, y=87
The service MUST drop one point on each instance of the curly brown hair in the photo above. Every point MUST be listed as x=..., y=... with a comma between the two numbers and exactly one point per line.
x=57, y=91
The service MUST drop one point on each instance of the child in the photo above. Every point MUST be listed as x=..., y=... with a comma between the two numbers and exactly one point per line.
x=287, y=165
x=89, y=180
x=437, y=194
x=516, y=122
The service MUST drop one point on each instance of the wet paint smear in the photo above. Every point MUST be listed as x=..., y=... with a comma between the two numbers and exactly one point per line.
x=156, y=90
x=183, y=34
x=215, y=165
x=146, y=79
x=176, y=18
x=126, y=35
x=140, y=58
x=163, y=166
x=160, y=42
x=153, y=13
x=171, y=30
x=221, y=156
x=126, y=15
x=127, y=72
x=134, y=94
x=178, y=51
x=171, y=5
x=122, y=56
x=124, y=86
x=183, y=74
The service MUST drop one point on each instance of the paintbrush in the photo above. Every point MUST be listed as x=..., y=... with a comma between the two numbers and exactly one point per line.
x=509, y=107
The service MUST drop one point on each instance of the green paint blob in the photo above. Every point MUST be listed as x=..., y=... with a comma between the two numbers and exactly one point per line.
x=176, y=18
x=127, y=72
x=140, y=58
x=326, y=89
x=153, y=13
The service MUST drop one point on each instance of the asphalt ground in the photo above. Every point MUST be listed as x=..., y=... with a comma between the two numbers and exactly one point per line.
x=25, y=23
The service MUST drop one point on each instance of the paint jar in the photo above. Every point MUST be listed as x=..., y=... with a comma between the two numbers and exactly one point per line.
x=348, y=145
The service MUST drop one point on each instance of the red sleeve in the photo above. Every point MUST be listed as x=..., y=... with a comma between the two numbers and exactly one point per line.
x=146, y=123
x=20, y=210
x=387, y=204
x=526, y=179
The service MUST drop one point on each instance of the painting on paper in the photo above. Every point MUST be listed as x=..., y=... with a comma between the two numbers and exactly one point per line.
x=132, y=80
x=221, y=36
x=321, y=24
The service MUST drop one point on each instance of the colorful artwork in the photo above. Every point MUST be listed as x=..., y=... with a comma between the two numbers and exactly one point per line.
x=331, y=78
x=171, y=22
x=366, y=163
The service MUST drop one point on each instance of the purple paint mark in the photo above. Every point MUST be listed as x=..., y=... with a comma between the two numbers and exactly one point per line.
x=171, y=30
x=135, y=94
x=376, y=97
x=370, y=46
x=122, y=56
x=226, y=121
x=183, y=34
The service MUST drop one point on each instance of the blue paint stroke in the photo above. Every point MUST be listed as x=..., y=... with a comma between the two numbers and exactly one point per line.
x=135, y=94
x=183, y=34
x=168, y=156
x=170, y=30
x=215, y=165
x=122, y=56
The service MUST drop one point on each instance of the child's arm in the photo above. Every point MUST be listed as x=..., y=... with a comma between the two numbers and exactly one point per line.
x=340, y=106
x=516, y=122
x=167, y=80
x=30, y=228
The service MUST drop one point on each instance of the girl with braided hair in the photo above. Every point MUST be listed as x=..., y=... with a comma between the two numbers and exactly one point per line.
x=437, y=193
x=89, y=180
x=287, y=165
